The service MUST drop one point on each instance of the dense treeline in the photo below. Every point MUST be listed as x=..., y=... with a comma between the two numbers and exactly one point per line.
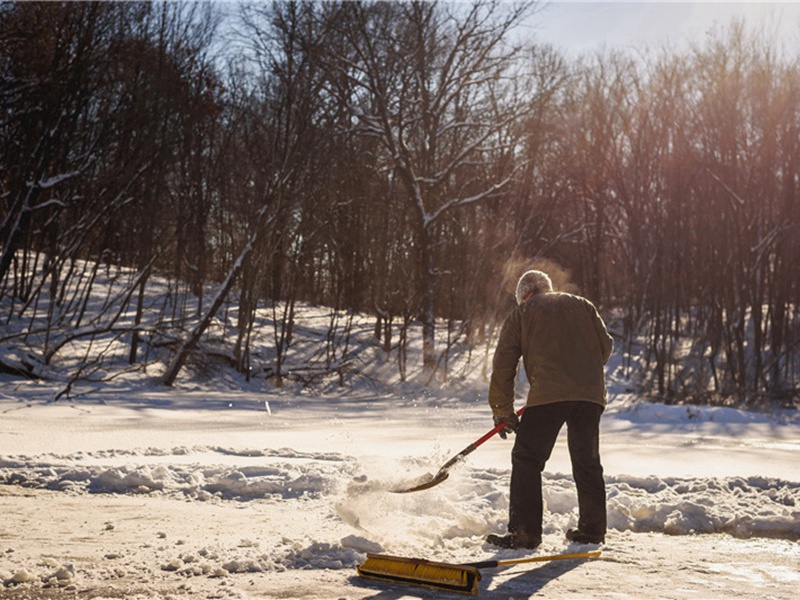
x=406, y=160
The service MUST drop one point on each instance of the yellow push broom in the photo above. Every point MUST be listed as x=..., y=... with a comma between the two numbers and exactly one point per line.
x=462, y=579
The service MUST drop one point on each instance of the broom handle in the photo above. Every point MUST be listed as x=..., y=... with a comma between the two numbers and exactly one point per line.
x=501, y=563
x=474, y=445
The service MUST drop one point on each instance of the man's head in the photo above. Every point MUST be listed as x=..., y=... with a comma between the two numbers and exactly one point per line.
x=532, y=282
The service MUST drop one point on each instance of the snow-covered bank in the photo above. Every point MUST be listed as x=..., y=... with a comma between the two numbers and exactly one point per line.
x=213, y=494
x=741, y=506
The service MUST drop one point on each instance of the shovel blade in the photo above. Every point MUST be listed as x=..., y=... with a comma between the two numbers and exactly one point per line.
x=425, y=482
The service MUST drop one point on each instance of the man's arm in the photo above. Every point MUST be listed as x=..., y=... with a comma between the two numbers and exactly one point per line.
x=504, y=367
x=606, y=341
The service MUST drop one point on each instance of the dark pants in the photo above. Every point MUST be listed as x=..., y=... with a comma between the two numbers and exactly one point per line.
x=535, y=439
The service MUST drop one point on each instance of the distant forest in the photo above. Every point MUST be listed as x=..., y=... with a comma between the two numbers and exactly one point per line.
x=406, y=160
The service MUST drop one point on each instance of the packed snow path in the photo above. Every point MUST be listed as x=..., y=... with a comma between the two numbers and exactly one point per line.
x=208, y=495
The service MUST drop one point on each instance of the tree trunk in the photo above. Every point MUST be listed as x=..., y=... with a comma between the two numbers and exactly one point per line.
x=428, y=288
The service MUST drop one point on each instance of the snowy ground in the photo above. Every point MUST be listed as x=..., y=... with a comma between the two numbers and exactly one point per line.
x=142, y=492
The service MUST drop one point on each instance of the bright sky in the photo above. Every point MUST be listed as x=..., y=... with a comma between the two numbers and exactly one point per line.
x=583, y=26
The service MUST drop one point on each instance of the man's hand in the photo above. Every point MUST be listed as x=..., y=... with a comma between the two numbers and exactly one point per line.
x=511, y=421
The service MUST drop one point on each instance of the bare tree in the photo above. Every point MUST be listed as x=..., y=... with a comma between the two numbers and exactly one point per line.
x=436, y=86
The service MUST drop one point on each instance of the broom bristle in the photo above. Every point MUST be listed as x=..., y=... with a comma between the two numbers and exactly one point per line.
x=443, y=576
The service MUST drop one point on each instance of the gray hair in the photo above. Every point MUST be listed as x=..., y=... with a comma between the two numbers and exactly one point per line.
x=532, y=282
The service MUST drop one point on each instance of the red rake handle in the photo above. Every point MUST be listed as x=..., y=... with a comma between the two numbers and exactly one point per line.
x=474, y=445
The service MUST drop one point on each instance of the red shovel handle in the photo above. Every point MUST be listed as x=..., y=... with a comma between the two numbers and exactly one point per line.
x=460, y=456
x=443, y=474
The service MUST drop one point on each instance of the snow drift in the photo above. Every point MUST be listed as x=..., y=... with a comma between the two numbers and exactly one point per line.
x=740, y=506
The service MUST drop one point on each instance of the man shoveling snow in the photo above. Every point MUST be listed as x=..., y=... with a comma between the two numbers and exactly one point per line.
x=564, y=345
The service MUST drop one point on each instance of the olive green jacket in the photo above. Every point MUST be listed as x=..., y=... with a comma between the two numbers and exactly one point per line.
x=564, y=346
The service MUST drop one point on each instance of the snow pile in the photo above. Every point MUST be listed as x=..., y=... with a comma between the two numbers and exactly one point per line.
x=455, y=514
x=321, y=555
x=208, y=562
x=742, y=507
x=53, y=575
x=202, y=482
x=460, y=513
x=249, y=558
x=635, y=410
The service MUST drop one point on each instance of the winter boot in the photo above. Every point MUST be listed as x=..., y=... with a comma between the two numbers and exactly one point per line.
x=580, y=537
x=514, y=541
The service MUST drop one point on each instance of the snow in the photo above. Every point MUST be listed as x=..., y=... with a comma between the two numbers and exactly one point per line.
x=146, y=492
x=223, y=488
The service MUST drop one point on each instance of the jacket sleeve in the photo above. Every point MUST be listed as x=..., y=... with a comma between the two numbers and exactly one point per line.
x=606, y=341
x=504, y=367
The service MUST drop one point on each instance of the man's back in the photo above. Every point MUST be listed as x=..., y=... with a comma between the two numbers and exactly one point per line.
x=564, y=345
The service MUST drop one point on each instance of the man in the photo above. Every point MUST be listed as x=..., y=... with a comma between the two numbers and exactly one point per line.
x=564, y=346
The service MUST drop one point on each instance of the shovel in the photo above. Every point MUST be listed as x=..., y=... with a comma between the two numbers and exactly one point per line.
x=428, y=480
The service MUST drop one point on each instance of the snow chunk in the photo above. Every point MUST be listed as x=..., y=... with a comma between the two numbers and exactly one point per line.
x=320, y=555
x=361, y=544
x=127, y=479
x=22, y=576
